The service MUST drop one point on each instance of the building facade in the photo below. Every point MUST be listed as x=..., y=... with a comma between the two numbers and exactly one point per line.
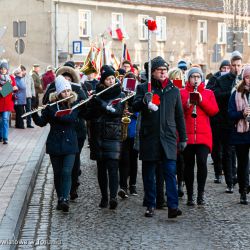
x=54, y=29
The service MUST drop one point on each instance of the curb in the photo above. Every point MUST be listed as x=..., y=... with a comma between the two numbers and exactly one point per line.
x=14, y=215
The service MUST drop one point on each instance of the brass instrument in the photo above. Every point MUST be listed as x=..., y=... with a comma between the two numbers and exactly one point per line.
x=44, y=106
x=128, y=97
x=125, y=122
x=194, y=112
x=88, y=68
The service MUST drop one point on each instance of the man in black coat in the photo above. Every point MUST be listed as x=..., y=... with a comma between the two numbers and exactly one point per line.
x=222, y=90
x=161, y=115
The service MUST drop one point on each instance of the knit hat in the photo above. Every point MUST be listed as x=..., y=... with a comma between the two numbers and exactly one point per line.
x=61, y=84
x=195, y=70
x=225, y=63
x=158, y=62
x=121, y=72
x=235, y=54
x=106, y=71
x=4, y=64
x=246, y=71
x=17, y=71
x=182, y=65
x=69, y=64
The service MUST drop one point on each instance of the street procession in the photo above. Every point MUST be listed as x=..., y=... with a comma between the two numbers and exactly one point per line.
x=152, y=134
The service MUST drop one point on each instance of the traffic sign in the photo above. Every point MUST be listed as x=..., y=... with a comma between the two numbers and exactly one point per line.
x=19, y=46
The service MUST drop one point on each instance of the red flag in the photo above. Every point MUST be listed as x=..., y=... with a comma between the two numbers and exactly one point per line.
x=63, y=112
x=119, y=34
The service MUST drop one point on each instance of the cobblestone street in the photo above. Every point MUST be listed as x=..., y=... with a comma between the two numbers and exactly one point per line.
x=222, y=224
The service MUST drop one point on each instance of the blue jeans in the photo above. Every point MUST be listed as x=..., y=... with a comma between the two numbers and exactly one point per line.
x=149, y=181
x=62, y=167
x=4, y=125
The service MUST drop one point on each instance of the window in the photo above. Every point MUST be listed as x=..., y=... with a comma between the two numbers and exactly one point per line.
x=248, y=34
x=84, y=23
x=117, y=22
x=222, y=33
x=142, y=28
x=161, y=28
x=202, y=31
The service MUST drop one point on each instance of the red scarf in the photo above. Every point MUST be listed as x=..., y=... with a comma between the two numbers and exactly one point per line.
x=165, y=83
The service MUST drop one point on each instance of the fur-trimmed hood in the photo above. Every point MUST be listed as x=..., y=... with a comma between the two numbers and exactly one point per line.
x=53, y=97
x=66, y=69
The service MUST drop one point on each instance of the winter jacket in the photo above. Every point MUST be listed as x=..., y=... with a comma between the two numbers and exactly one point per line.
x=7, y=103
x=198, y=129
x=105, y=126
x=235, y=116
x=30, y=87
x=62, y=138
x=158, y=128
x=48, y=78
x=37, y=82
x=21, y=93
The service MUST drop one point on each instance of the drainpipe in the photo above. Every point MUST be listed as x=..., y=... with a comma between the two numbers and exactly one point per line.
x=56, y=18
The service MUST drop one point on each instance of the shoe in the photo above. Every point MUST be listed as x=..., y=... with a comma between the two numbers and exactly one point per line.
x=30, y=126
x=201, y=199
x=180, y=190
x=65, y=205
x=174, y=212
x=218, y=179
x=5, y=142
x=59, y=205
x=229, y=190
x=133, y=190
x=73, y=195
x=123, y=194
x=161, y=205
x=190, y=201
x=113, y=203
x=103, y=203
x=149, y=212
x=243, y=198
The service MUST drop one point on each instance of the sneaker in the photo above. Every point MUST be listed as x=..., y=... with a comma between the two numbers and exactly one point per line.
x=218, y=179
x=149, y=212
x=103, y=203
x=123, y=194
x=174, y=212
x=113, y=203
x=229, y=190
x=133, y=190
x=65, y=205
x=5, y=142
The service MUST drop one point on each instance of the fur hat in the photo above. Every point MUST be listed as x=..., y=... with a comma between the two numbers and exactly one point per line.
x=195, y=70
x=182, y=65
x=225, y=63
x=61, y=84
x=158, y=62
x=64, y=70
x=246, y=71
x=106, y=71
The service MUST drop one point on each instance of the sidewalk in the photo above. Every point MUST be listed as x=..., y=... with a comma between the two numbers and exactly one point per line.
x=19, y=164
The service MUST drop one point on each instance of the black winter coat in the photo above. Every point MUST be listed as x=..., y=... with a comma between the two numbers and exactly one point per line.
x=105, y=127
x=62, y=138
x=158, y=128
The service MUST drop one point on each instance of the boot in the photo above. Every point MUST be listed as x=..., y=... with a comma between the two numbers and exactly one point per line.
x=200, y=199
x=190, y=201
x=180, y=189
x=174, y=212
x=243, y=198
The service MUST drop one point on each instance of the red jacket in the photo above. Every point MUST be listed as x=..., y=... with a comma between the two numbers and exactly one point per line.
x=7, y=103
x=198, y=129
x=48, y=78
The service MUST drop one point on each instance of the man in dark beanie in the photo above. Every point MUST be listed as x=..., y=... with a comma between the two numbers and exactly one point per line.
x=161, y=115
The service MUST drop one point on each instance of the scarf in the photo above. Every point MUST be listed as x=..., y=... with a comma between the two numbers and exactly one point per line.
x=241, y=104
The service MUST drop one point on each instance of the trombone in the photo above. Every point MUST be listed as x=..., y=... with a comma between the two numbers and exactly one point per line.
x=44, y=106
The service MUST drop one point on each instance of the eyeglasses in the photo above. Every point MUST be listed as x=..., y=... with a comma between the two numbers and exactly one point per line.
x=162, y=69
x=195, y=77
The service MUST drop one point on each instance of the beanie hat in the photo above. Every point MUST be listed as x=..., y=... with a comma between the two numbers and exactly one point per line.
x=4, y=64
x=17, y=71
x=195, y=70
x=182, y=65
x=61, y=84
x=121, y=72
x=225, y=63
x=246, y=71
x=106, y=71
x=158, y=62
x=236, y=54
x=69, y=64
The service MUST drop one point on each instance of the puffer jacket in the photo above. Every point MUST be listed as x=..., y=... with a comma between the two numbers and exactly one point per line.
x=198, y=129
x=105, y=126
x=62, y=138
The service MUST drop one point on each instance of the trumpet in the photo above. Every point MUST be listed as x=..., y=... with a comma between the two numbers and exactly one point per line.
x=44, y=106
x=194, y=112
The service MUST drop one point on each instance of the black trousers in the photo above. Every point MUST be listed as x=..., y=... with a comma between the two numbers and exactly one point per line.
x=128, y=164
x=107, y=173
x=19, y=109
x=242, y=153
x=180, y=167
x=200, y=152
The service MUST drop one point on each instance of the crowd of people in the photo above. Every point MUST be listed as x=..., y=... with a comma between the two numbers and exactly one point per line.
x=171, y=124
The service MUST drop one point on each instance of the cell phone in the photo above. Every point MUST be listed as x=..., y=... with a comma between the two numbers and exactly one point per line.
x=194, y=98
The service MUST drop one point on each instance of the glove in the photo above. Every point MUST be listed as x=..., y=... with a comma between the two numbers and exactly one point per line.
x=152, y=106
x=110, y=108
x=147, y=97
x=182, y=145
